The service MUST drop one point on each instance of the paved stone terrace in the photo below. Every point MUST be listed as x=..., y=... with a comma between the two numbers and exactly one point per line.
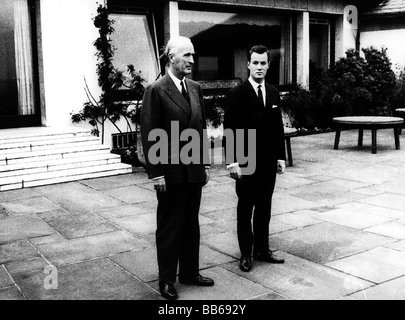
x=338, y=220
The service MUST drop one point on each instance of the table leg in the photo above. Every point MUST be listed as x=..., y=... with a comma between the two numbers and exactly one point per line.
x=361, y=137
x=374, y=141
x=337, y=138
x=396, y=135
x=289, y=152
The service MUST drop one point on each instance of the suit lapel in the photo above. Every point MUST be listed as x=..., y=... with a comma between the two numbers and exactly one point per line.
x=176, y=96
x=252, y=96
x=271, y=99
x=194, y=101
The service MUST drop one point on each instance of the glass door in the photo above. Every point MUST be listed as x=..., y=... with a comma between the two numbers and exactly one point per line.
x=18, y=85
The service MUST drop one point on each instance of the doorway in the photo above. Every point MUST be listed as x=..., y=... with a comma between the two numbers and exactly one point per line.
x=18, y=73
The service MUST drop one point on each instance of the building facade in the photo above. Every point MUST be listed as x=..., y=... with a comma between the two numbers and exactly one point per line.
x=384, y=26
x=47, y=52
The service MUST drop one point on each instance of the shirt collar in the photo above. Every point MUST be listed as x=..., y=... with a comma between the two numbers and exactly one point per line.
x=176, y=80
x=255, y=84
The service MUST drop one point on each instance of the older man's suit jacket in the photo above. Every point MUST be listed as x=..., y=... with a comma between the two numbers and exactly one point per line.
x=164, y=105
x=244, y=111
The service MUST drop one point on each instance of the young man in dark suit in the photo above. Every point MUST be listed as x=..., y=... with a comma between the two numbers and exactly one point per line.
x=255, y=105
x=173, y=105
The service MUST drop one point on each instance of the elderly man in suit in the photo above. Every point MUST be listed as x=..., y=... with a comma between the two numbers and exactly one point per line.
x=254, y=105
x=173, y=105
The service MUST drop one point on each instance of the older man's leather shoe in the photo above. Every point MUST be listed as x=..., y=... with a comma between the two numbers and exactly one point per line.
x=167, y=291
x=198, y=280
x=268, y=257
x=245, y=263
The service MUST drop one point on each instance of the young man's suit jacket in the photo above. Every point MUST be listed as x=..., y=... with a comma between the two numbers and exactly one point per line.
x=162, y=104
x=244, y=111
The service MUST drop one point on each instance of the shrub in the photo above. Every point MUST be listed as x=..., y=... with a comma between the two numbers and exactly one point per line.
x=362, y=86
x=353, y=86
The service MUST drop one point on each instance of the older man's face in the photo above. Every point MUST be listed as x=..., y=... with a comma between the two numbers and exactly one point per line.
x=182, y=59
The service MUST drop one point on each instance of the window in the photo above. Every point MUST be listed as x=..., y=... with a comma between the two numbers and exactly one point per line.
x=320, y=44
x=134, y=40
x=222, y=41
x=17, y=81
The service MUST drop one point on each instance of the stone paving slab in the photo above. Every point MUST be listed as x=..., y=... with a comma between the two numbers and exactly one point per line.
x=397, y=187
x=23, y=227
x=29, y=206
x=128, y=210
x=91, y=247
x=77, y=198
x=376, y=265
x=17, y=251
x=116, y=181
x=142, y=224
x=400, y=245
x=209, y=230
x=11, y=293
x=228, y=286
x=288, y=181
x=300, y=279
x=390, y=290
x=350, y=218
x=295, y=220
x=18, y=195
x=224, y=242
x=364, y=208
x=325, y=242
x=387, y=200
x=55, y=237
x=27, y=266
x=214, y=201
x=322, y=194
x=91, y=280
x=285, y=203
x=218, y=215
x=77, y=225
x=5, y=280
x=131, y=194
x=392, y=229
x=140, y=263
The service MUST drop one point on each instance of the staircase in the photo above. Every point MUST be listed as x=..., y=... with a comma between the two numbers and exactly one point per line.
x=33, y=157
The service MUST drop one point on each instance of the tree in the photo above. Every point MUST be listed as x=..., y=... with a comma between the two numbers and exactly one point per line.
x=111, y=105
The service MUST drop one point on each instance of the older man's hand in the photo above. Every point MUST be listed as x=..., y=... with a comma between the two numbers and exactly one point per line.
x=160, y=184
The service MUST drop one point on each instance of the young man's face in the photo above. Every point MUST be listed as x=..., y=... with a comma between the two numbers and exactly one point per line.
x=258, y=66
x=182, y=60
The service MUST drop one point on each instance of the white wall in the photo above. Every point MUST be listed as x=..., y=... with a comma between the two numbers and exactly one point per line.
x=393, y=40
x=68, y=34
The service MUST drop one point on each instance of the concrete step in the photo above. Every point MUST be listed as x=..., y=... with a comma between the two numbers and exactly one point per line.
x=62, y=176
x=42, y=156
x=59, y=152
x=25, y=147
x=44, y=140
x=15, y=139
x=59, y=164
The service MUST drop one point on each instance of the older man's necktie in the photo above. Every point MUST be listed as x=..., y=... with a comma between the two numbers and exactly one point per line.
x=184, y=92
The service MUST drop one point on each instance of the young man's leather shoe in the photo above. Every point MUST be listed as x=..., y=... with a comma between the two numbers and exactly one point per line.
x=198, y=280
x=268, y=257
x=167, y=291
x=245, y=263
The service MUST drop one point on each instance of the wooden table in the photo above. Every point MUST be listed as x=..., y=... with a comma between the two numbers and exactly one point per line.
x=400, y=111
x=368, y=122
x=288, y=134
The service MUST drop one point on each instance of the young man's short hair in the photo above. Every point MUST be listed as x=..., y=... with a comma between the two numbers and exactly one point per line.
x=259, y=49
